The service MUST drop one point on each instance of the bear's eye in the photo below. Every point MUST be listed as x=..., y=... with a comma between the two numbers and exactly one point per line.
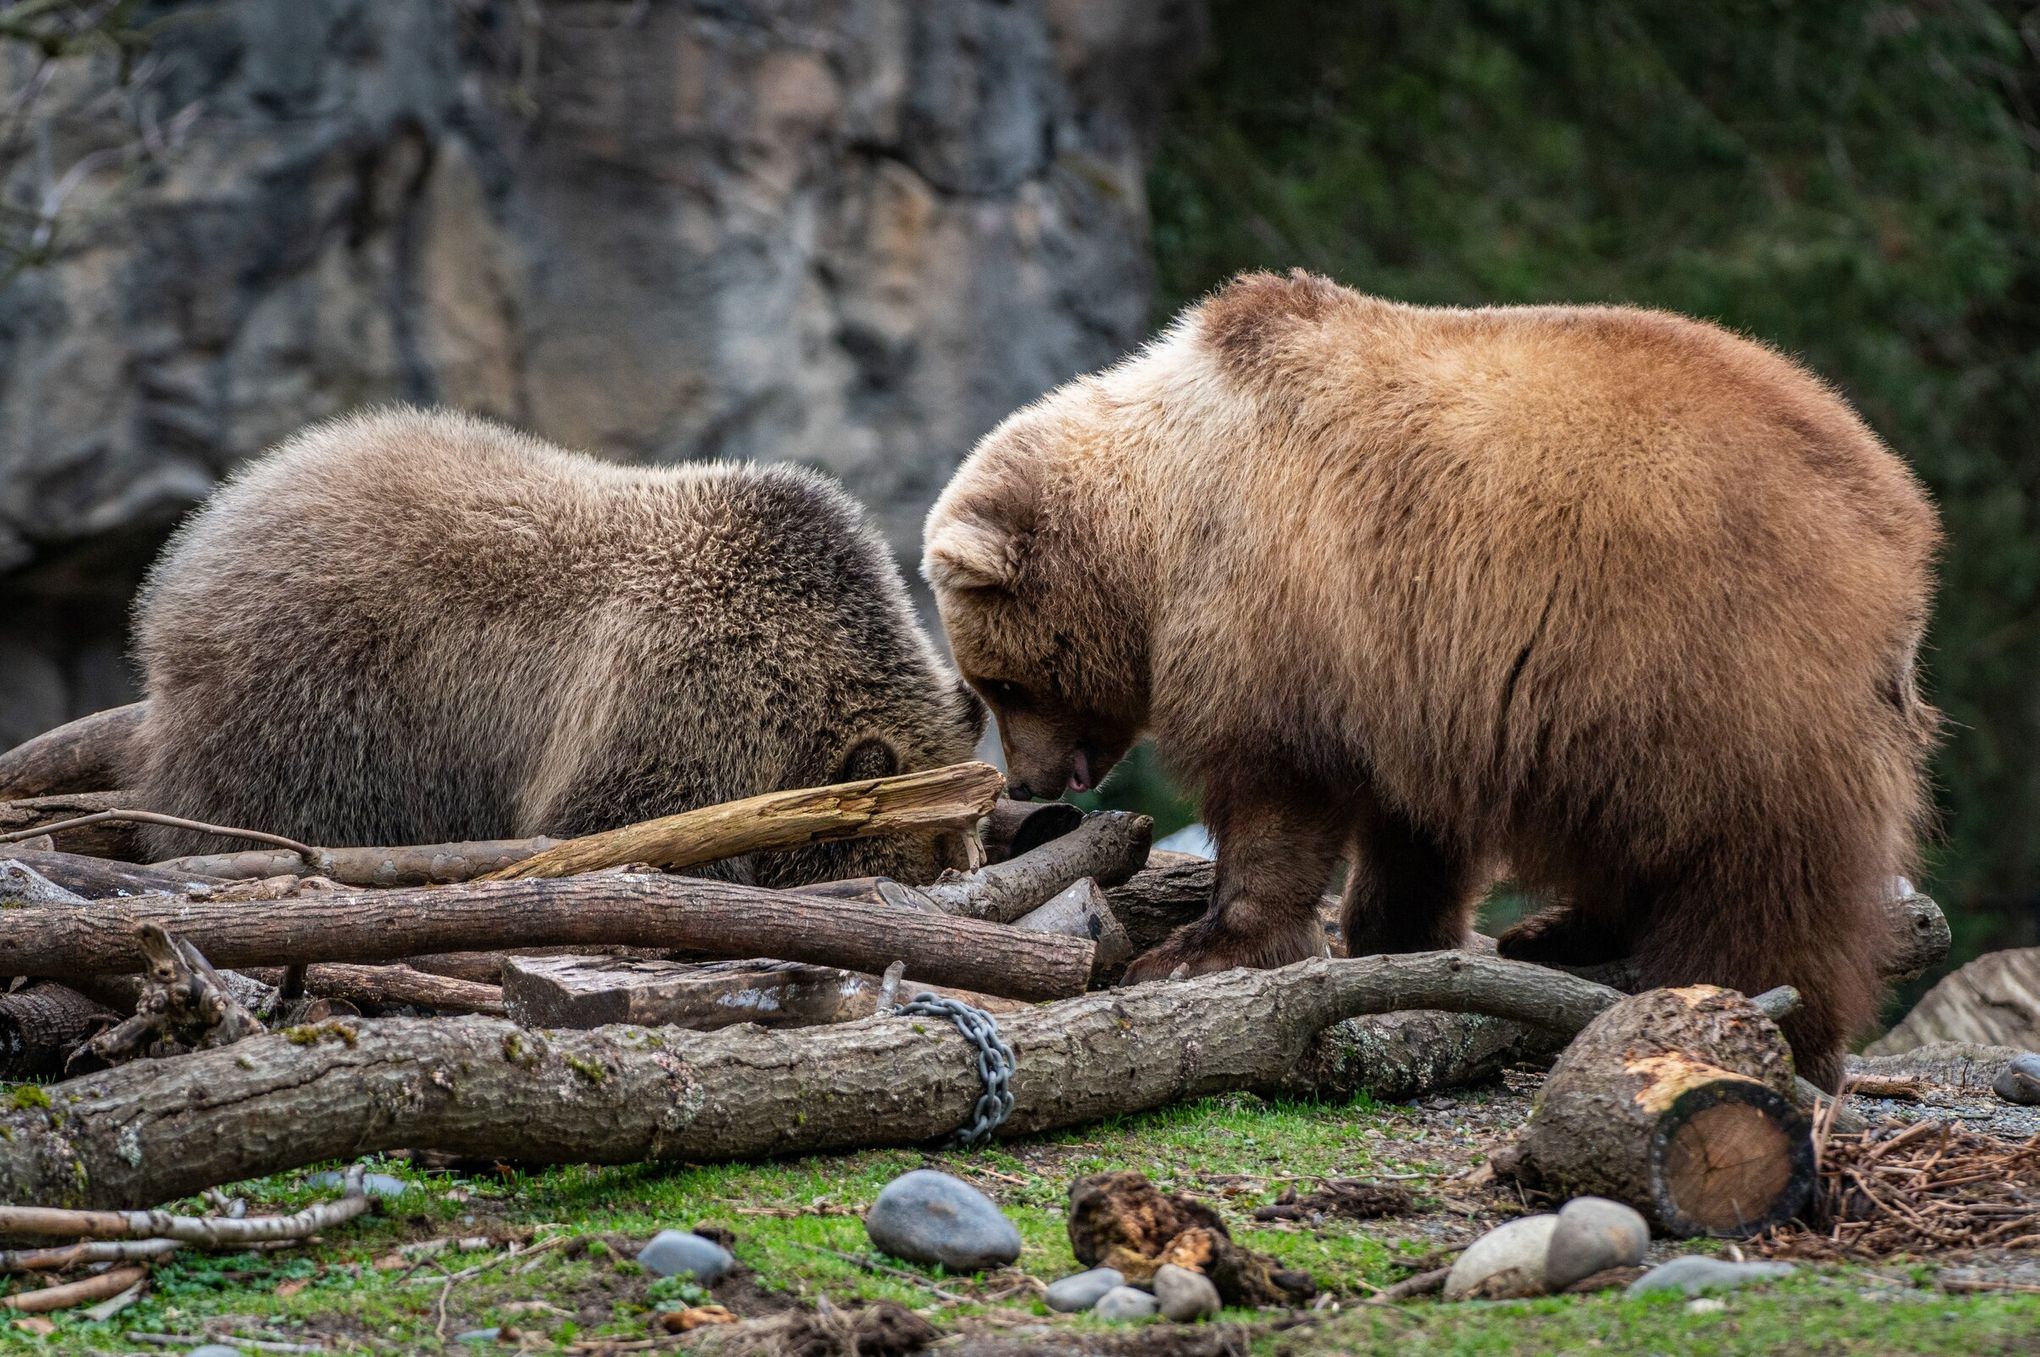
x=1002, y=692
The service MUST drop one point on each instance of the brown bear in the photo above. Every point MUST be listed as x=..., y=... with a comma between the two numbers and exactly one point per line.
x=415, y=627
x=1616, y=598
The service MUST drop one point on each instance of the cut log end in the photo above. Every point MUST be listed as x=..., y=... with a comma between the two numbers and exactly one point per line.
x=1730, y=1157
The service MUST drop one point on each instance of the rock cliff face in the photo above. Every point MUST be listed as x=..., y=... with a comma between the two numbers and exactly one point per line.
x=853, y=233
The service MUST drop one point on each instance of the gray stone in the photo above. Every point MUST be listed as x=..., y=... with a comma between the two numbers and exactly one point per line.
x=2019, y=1081
x=1081, y=1290
x=855, y=241
x=1506, y=1261
x=372, y=1184
x=930, y=1217
x=1694, y=1274
x=1183, y=1295
x=1123, y=1302
x=1592, y=1234
x=214, y=1350
x=479, y=1336
x=678, y=1253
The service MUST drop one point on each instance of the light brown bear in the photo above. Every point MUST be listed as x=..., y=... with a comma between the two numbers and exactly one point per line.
x=412, y=626
x=1614, y=597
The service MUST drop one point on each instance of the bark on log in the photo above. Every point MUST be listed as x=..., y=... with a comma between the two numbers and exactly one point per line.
x=1958, y=1064
x=714, y=918
x=42, y=1023
x=912, y=803
x=1110, y=847
x=106, y=839
x=97, y=878
x=478, y=1086
x=1679, y=1102
x=590, y=991
x=85, y=755
x=1016, y=827
x=377, y=985
x=1080, y=911
x=418, y=865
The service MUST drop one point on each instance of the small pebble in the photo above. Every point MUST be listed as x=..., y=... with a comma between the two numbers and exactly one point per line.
x=372, y=1184
x=1081, y=1290
x=1123, y=1302
x=1183, y=1295
x=1693, y=1274
x=1506, y=1261
x=676, y=1253
x=479, y=1336
x=930, y=1217
x=1593, y=1234
x=213, y=1350
x=1706, y=1305
x=2019, y=1081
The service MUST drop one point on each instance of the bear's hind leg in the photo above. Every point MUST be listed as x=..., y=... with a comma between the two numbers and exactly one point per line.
x=1408, y=891
x=1274, y=857
x=1566, y=935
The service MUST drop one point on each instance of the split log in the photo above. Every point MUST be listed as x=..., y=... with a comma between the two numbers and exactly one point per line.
x=42, y=1023
x=1110, y=847
x=419, y=865
x=912, y=803
x=1016, y=827
x=1081, y=911
x=379, y=985
x=711, y=918
x=485, y=1087
x=590, y=991
x=1679, y=1102
x=85, y=755
x=103, y=839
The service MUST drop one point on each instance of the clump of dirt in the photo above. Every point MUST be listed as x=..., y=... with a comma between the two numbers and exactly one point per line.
x=1121, y=1220
x=1341, y=1198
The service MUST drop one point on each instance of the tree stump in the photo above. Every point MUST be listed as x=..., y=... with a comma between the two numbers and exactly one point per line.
x=1679, y=1102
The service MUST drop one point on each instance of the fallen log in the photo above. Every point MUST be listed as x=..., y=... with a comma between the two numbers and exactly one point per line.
x=1080, y=911
x=911, y=803
x=589, y=991
x=116, y=839
x=42, y=1023
x=379, y=985
x=86, y=755
x=641, y=909
x=1016, y=827
x=1110, y=847
x=484, y=1087
x=96, y=878
x=1681, y=1103
x=420, y=865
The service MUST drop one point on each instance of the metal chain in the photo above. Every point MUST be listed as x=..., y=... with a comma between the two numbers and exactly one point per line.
x=995, y=1061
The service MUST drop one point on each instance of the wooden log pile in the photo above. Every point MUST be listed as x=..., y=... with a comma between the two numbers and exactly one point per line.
x=541, y=1001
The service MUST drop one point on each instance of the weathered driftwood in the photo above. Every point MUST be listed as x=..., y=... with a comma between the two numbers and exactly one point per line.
x=100, y=838
x=95, y=878
x=62, y=1297
x=911, y=803
x=1016, y=827
x=42, y=1023
x=205, y=1231
x=589, y=991
x=379, y=985
x=1958, y=1064
x=483, y=1087
x=1080, y=911
x=184, y=1004
x=419, y=865
x=1681, y=1103
x=85, y=755
x=1110, y=847
x=643, y=909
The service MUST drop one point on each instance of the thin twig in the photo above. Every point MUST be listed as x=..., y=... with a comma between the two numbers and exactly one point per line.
x=51, y=1220
x=105, y=1285
x=149, y=817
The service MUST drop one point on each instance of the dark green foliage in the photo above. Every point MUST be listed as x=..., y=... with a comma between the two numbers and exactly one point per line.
x=1852, y=182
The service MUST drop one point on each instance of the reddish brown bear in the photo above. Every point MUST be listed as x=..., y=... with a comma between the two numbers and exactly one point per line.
x=1616, y=598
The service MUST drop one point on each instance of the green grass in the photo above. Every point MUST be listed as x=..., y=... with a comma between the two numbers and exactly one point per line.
x=788, y=1216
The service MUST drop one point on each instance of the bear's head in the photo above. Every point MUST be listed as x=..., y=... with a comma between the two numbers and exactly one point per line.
x=1034, y=580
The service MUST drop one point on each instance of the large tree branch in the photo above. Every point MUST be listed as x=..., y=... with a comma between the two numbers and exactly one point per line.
x=87, y=755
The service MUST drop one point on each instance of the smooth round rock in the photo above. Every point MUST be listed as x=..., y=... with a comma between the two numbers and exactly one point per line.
x=1183, y=1295
x=1694, y=1274
x=1505, y=1262
x=213, y=1350
x=1081, y=1290
x=372, y=1184
x=1592, y=1235
x=479, y=1336
x=930, y=1217
x=1123, y=1302
x=676, y=1253
x=2019, y=1081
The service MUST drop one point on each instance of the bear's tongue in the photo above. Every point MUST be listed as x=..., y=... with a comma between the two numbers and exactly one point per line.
x=1080, y=773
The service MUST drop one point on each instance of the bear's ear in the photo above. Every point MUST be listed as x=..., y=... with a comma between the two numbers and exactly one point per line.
x=976, y=537
x=967, y=554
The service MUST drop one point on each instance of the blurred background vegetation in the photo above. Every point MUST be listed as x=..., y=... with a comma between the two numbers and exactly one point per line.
x=1854, y=183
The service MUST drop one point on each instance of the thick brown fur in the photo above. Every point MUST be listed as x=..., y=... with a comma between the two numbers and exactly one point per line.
x=1616, y=598
x=415, y=627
